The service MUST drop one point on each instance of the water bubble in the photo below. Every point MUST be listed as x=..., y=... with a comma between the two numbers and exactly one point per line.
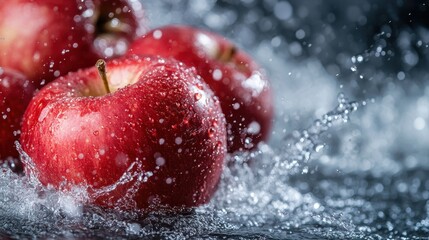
x=160, y=161
x=178, y=140
x=254, y=128
x=157, y=34
x=236, y=106
x=211, y=131
x=169, y=180
x=88, y=13
x=217, y=74
x=44, y=113
x=197, y=96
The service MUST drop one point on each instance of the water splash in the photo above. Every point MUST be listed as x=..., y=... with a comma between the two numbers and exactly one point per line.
x=252, y=183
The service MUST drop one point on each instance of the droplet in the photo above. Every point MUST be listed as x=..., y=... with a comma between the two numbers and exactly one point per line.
x=318, y=147
x=197, y=96
x=254, y=128
x=236, y=106
x=43, y=114
x=217, y=74
x=160, y=161
x=178, y=140
x=157, y=34
x=211, y=132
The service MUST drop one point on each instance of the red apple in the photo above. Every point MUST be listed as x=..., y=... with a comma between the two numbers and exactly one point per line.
x=46, y=39
x=15, y=94
x=243, y=90
x=157, y=138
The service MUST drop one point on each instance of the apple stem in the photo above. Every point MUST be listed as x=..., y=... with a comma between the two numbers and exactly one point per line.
x=227, y=55
x=101, y=66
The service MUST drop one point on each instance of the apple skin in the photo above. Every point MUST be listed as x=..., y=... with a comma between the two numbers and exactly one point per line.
x=46, y=39
x=167, y=127
x=243, y=89
x=16, y=92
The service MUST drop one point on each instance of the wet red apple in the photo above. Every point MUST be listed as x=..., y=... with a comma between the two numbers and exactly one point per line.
x=152, y=134
x=15, y=94
x=243, y=89
x=46, y=39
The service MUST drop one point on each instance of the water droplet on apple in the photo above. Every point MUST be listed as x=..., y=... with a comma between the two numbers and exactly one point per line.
x=36, y=56
x=211, y=132
x=248, y=143
x=217, y=74
x=197, y=96
x=88, y=13
x=254, y=128
x=121, y=159
x=77, y=18
x=236, y=106
x=200, y=86
x=102, y=152
x=161, y=141
x=178, y=140
x=218, y=144
x=43, y=114
x=96, y=132
x=157, y=34
x=160, y=161
x=108, y=52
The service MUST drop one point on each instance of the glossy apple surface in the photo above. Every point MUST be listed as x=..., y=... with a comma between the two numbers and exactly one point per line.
x=15, y=94
x=46, y=39
x=243, y=90
x=157, y=138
